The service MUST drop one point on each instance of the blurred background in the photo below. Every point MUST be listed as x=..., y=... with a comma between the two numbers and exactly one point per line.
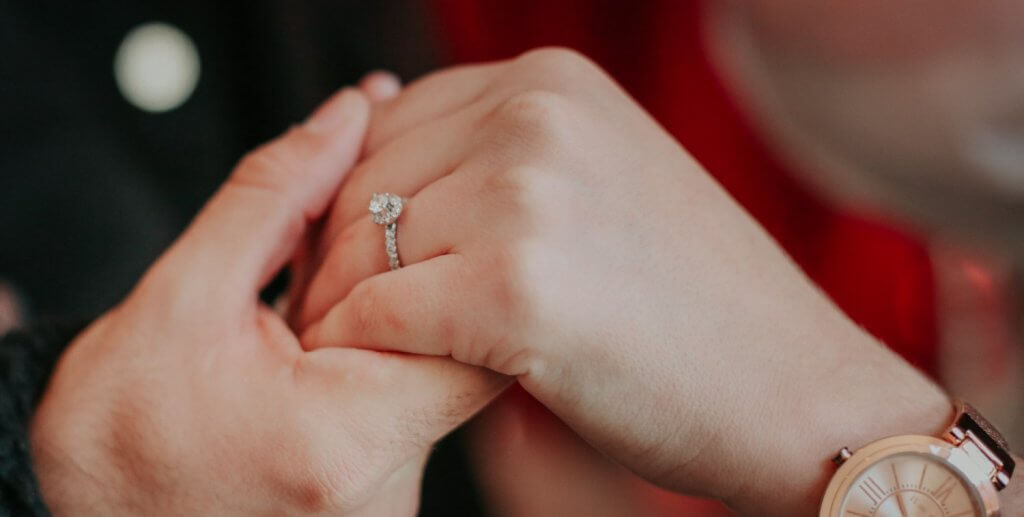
x=881, y=143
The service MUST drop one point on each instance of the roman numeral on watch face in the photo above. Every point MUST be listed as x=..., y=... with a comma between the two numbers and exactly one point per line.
x=872, y=490
x=910, y=485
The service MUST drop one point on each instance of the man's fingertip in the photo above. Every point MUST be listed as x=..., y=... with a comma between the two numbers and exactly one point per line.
x=381, y=85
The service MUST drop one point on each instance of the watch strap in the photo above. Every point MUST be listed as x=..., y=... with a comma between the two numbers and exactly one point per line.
x=971, y=431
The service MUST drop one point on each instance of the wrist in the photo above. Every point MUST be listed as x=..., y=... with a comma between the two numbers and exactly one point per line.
x=70, y=484
x=73, y=476
x=869, y=393
x=82, y=465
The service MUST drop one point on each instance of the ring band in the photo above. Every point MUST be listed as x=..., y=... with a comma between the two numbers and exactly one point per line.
x=391, y=245
x=384, y=210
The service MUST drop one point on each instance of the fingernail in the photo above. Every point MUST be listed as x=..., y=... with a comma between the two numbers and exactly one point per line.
x=335, y=113
x=381, y=85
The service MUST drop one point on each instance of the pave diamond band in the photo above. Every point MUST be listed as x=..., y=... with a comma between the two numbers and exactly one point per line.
x=391, y=245
x=384, y=210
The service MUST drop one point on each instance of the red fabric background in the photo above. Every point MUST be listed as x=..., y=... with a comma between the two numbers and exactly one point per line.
x=881, y=277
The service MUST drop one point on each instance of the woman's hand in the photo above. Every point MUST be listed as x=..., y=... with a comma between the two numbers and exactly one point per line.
x=557, y=234
x=192, y=398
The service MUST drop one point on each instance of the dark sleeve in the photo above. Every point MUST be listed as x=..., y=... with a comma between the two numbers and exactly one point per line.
x=27, y=359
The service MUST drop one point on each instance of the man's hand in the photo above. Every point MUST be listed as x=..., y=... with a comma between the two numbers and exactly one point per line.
x=192, y=398
x=556, y=234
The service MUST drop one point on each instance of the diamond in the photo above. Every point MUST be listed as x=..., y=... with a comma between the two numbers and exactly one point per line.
x=377, y=203
x=385, y=208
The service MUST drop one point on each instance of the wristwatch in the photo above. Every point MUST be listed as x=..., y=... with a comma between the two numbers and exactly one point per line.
x=957, y=474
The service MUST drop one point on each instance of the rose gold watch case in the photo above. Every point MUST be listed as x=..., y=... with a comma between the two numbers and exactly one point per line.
x=984, y=491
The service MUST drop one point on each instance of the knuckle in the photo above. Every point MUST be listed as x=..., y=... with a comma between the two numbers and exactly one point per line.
x=313, y=487
x=310, y=493
x=163, y=286
x=367, y=309
x=560, y=61
x=262, y=179
x=534, y=109
x=268, y=166
x=561, y=70
x=533, y=126
x=318, y=472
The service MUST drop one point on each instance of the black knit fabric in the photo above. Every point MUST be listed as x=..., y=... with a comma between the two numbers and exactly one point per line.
x=27, y=359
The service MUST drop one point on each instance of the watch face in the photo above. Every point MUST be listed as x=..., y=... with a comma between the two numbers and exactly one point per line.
x=911, y=485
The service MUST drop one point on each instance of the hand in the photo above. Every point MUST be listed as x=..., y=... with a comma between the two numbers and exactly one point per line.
x=557, y=234
x=520, y=450
x=192, y=398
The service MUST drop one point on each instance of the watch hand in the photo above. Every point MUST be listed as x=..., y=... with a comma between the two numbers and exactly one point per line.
x=899, y=495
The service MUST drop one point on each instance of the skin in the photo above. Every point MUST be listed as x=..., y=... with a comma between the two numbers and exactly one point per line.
x=537, y=449
x=521, y=451
x=556, y=234
x=686, y=335
x=190, y=397
x=81, y=474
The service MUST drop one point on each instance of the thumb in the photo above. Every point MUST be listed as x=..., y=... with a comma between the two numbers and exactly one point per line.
x=251, y=226
x=399, y=403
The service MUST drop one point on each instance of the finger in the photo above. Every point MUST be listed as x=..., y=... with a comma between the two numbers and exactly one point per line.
x=252, y=224
x=429, y=98
x=380, y=85
x=431, y=223
x=405, y=166
x=445, y=91
x=301, y=269
x=419, y=398
x=438, y=307
x=359, y=253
